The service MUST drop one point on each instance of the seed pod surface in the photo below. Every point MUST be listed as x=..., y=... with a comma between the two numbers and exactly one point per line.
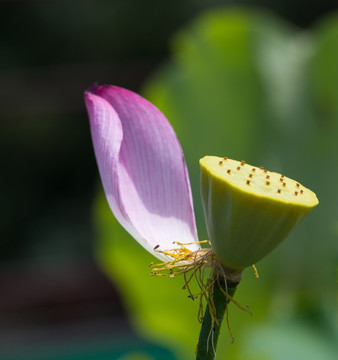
x=249, y=210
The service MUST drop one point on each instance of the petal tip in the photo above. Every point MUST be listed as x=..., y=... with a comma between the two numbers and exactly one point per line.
x=93, y=89
x=112, y=90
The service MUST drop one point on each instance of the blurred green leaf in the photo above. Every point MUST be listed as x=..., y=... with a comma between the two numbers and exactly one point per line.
x=239, y=84
x=290, y=340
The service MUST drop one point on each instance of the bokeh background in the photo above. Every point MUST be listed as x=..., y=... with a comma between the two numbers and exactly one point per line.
x=254, y=80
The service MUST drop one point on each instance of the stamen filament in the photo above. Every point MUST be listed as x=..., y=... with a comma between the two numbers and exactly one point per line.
x=185, y=260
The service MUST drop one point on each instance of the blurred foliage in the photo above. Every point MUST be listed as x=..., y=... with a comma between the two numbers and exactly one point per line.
x=250, y=86
x=63, y=31
x=111, y=345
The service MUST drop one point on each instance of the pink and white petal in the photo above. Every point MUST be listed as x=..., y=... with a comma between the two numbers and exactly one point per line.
x=107, y=135
x=142, y=168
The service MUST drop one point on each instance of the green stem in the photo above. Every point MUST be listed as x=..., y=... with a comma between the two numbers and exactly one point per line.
x=208, y=341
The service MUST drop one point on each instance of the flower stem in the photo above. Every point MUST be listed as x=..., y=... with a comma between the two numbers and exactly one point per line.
x=207, y=343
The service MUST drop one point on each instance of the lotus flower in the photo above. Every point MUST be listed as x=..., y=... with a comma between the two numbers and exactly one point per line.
x=248, y=210
x=142, y=169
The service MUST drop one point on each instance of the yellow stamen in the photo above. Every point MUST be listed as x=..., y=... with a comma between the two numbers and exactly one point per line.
x=255, y=271
x=185, y=260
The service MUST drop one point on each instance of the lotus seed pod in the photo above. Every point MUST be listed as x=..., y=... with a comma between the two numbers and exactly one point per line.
x=249, y=210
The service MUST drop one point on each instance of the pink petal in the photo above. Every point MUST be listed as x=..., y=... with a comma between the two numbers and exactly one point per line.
x=142, y=168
